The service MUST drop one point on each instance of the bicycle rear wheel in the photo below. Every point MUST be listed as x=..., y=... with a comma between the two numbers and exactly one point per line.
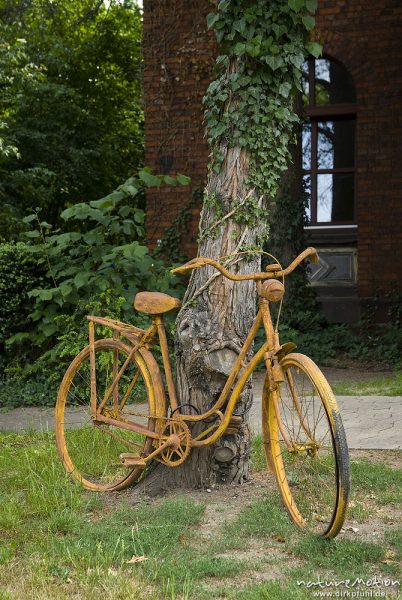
x=306, y=447
x=91, y=451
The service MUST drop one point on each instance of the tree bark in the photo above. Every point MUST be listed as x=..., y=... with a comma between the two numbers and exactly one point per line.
x=211, y=327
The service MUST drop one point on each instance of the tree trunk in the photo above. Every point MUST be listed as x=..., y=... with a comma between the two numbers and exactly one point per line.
x=211, y=327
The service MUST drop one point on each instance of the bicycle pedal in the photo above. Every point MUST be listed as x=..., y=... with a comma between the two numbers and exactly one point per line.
x=130, y=460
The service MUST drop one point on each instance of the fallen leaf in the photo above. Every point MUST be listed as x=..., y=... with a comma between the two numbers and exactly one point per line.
x=136, y=559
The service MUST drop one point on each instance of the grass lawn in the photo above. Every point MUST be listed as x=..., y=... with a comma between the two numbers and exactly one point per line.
x=59, y=542
x=389, y=385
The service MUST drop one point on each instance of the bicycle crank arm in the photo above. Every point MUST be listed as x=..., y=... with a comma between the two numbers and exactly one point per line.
x=131, y=460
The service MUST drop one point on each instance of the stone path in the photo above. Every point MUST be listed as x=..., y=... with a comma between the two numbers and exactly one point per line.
x=371, y=422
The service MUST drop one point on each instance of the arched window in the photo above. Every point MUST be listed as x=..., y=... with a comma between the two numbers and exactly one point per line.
x=328, y=143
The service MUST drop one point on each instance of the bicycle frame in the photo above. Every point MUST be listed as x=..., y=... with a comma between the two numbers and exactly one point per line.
x=210, y=435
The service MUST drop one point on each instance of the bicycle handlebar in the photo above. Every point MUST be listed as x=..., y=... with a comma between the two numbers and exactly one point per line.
x=272, y=271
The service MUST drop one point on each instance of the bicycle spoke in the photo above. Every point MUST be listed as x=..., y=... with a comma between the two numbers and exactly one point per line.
x=305, y=461
x=92, y=450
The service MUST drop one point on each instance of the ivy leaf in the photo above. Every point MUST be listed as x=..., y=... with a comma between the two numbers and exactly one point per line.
x=169, y=180
x=311, y=5
x=130, y=189
x=245, y=80
x=284, y=89
x=213, y=86
x=274, y=62
x=308, y=22
x=296, y=5
x=149, y=179
x=240, y=26
x=314, y=49
x=212, y=18
x=253, y=49
x=124, y=211
x=239, y=48
x=127, y=226
x=183, y=179
x=223, y=58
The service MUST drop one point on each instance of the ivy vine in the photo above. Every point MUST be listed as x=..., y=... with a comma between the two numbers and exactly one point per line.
x=250, y=103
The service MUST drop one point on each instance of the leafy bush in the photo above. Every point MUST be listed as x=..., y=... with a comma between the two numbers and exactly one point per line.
x=103, y=249
x=19, y=273
x=96, y=266
x=71, y=117
x=337, y=344
x=36, y=383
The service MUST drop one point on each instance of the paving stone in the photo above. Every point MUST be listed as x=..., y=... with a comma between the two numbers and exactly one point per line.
x=371, y=422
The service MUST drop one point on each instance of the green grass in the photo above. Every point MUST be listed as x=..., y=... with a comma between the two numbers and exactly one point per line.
x=376, y=481
x=59, y=541
x=390, y=385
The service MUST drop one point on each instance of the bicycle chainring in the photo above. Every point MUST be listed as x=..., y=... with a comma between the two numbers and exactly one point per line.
x=175, y=456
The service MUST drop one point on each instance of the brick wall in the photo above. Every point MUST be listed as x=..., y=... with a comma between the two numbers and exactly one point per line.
x=366, y=35
x=179, y=56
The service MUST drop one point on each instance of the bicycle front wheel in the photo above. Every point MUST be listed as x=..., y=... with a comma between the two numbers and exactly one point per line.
x=90, y=450
x=306, y=447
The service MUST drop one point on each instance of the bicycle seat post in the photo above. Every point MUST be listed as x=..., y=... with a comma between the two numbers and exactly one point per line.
x=158, y=321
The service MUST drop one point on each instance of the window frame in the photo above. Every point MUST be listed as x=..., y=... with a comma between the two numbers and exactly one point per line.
x=314, y=114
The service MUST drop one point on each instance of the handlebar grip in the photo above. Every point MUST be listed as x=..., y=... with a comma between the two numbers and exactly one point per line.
x=314, y=256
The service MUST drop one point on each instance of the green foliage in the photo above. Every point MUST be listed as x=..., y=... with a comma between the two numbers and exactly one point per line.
x=16, y=74
x=35, y=383
x=70, y=110
x=102, y=248
x=95, y=265
x=18, y=274
x=250, y=103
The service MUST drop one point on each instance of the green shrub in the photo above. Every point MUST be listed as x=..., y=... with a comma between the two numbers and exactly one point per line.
x=102, y=247
x=95, y=266
x=35, y=383
x=19, y=274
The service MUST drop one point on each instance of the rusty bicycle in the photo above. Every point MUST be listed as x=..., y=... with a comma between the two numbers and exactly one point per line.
x=112, y=416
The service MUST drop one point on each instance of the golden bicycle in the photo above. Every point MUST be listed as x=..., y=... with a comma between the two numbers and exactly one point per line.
x=112, y=416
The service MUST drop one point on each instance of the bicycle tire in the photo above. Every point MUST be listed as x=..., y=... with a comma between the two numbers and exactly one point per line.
x=306, y=446
x=90, y=452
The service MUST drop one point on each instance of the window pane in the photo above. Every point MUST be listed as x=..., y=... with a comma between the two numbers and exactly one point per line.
x=335, y=198
x=336, y=144
x=306, y=146
x=307, y=192
x=333, y=84
x=305, y=82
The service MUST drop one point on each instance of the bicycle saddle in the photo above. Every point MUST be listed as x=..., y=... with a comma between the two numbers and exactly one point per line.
x=155, y=303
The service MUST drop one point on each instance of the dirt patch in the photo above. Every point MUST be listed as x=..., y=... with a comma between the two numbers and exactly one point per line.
x=388, y=458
